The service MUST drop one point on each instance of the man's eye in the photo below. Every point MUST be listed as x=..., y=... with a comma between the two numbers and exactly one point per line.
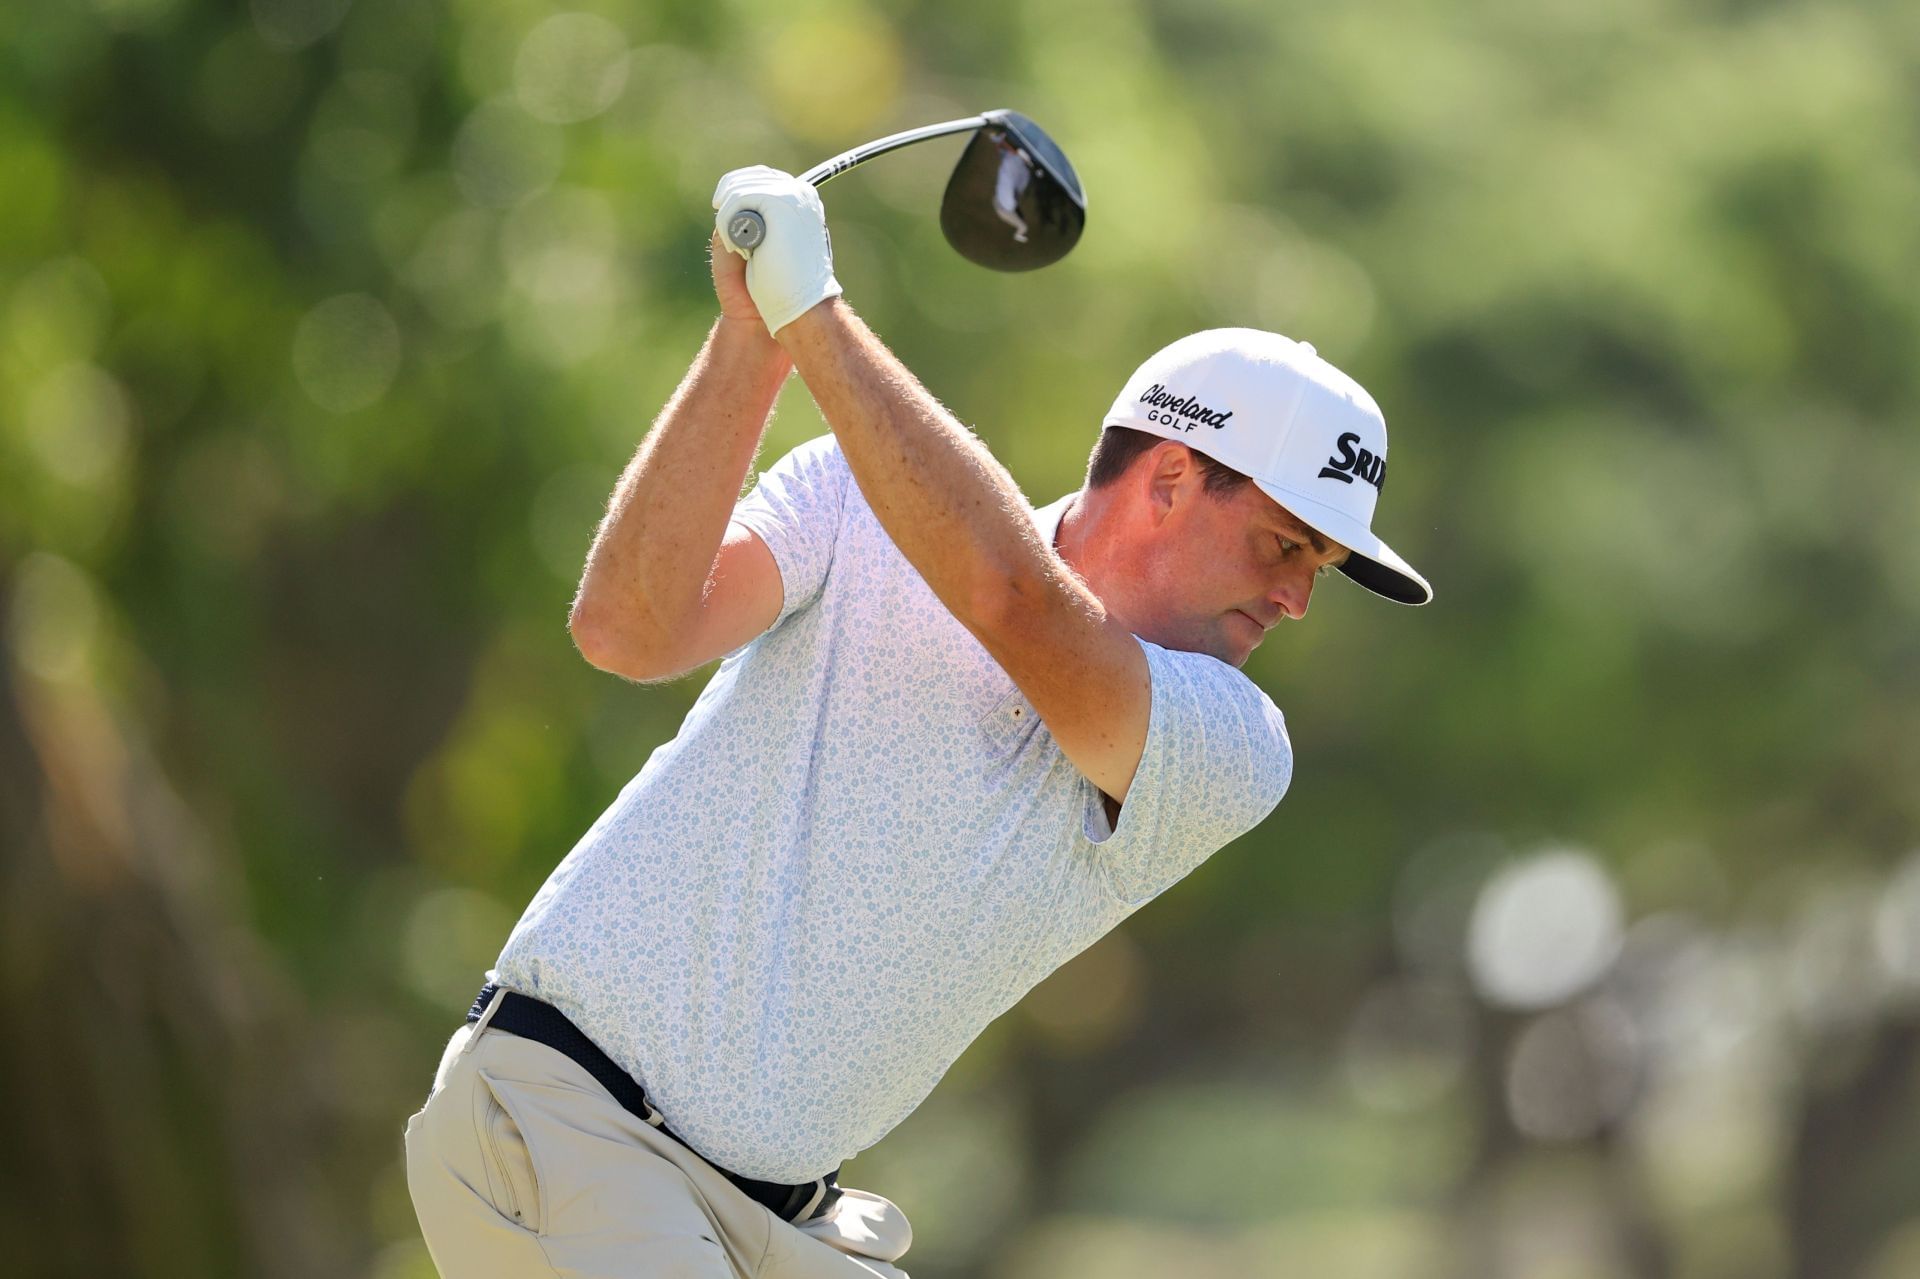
x=1286, y=545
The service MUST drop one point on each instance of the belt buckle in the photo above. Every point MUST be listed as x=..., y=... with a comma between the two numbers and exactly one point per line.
x=820, y=1203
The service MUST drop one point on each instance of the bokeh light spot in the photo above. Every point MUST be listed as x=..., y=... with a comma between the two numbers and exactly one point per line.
x=1572, y=1071
x=1708, y=1135
x=295, y=24
x=363, y=126
x=561, y=251
x=59, y=311
x=1896, y=925
x=571, y=67
x=346, y=352
x=1434, y=895
x=503, y=155
x=131, y=15
x=224, y=494
x=245, y=86
x=452, y=270
x=570, y=308
x=78, y=422
x=451, y=940
x=52, y=618
x=1543, y=930
x=1835, y=969
x=835, y=108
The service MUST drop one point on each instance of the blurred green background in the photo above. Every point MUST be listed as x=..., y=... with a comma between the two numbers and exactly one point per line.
x=1587, y=944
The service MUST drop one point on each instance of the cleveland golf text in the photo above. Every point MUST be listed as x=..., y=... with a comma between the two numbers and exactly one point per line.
x=1166, y=408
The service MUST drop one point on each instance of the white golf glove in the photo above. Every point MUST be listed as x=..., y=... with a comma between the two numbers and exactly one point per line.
x=791, y=270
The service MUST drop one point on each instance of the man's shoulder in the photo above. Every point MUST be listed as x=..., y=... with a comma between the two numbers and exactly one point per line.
x=1197, y=694
x=1207, y=674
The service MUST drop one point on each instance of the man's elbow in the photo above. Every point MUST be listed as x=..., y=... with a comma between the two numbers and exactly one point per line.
x=618, y=646
x=590, y=638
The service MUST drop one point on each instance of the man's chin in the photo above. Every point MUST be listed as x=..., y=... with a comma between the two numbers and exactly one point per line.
x=1234, y=652
x=1224, y=642
x=1250, y=635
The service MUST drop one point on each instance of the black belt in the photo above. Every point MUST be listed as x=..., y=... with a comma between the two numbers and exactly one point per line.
x=528, y=1018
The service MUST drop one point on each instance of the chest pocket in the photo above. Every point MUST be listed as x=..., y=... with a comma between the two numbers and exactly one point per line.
x=1009, y=726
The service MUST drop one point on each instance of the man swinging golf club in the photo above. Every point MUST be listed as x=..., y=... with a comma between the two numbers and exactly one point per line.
x=954, y=740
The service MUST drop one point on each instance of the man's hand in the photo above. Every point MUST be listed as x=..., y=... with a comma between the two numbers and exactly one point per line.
x=730, y=282
x=792, y=269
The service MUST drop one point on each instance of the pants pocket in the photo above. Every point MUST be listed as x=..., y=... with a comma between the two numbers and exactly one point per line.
x=511, y=1164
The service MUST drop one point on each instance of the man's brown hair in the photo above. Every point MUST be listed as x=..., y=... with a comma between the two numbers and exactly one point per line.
x=1118, y=446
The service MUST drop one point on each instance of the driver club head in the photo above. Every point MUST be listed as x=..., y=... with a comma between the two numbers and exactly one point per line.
x=1014, y=202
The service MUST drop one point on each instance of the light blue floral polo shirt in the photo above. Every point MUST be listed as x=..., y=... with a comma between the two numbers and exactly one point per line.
x=862, y=847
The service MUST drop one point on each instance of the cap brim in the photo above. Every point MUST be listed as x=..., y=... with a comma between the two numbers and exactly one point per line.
x=1373, y=564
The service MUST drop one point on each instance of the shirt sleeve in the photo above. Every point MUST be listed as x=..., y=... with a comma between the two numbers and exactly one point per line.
x=1216, y=762
x=796, y=509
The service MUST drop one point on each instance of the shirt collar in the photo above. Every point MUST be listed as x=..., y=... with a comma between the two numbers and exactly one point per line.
x=1047, y=518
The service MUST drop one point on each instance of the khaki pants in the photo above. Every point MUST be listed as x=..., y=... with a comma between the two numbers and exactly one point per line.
x=521, y=1164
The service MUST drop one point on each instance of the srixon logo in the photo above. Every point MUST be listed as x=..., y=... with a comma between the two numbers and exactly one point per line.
x=1167, y=408
x=1348, y=462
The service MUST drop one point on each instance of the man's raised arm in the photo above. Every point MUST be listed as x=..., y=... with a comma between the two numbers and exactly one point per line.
x=949, y=507
x=958, y=517
x=645, y=583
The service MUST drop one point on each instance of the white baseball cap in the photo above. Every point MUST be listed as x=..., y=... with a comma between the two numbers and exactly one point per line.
x=1308, y=435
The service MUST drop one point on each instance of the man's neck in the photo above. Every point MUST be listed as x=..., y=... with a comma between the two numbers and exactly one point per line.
x=1072, y=539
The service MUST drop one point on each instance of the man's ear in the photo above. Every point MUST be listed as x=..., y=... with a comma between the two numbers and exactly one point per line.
x=1169, y=477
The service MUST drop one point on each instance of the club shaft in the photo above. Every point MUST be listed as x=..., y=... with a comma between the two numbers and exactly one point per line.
x=833, y=168
x=747, y=229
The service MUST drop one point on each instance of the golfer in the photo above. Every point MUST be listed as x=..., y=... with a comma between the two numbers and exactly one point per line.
x=953, y=741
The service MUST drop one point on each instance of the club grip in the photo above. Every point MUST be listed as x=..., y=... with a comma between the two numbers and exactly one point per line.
x=745, y=230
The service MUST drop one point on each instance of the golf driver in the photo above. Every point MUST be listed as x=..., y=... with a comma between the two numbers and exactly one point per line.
x=1013, y=203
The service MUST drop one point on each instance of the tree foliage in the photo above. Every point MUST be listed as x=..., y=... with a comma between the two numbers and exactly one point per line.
x=1588, y=940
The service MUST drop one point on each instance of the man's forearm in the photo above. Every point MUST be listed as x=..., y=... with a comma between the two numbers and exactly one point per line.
x=946, y=502
x=657, y=543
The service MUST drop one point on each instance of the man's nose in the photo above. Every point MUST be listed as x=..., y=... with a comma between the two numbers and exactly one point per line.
x=1291, y=596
